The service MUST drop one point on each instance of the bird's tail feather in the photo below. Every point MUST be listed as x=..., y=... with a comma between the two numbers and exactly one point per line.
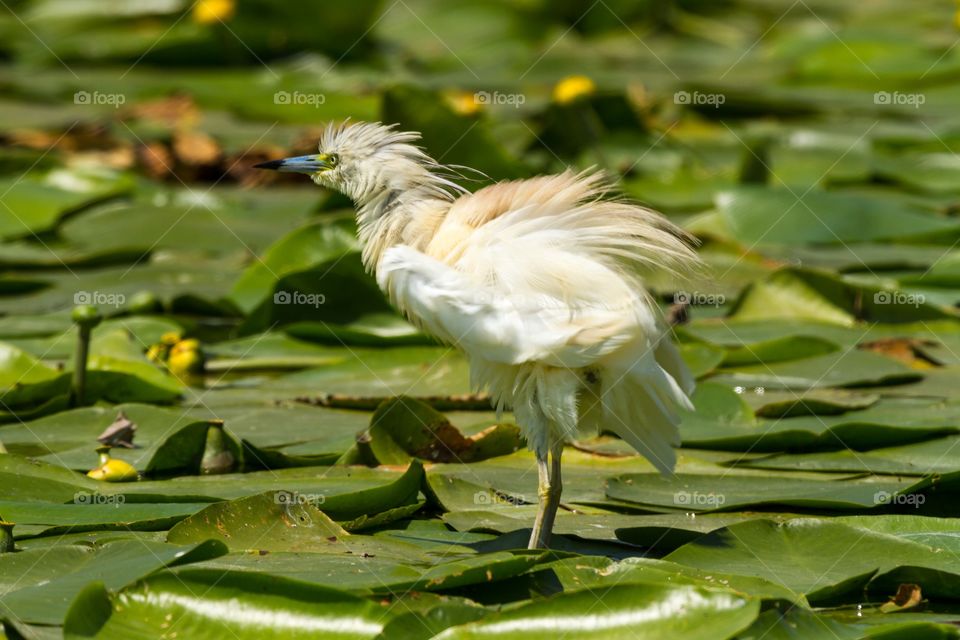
x=639, y=401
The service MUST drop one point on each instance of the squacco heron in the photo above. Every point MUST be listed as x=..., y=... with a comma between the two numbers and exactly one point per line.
x=540, y=282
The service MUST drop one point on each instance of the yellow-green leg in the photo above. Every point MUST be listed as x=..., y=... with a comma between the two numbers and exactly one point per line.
x=548, y=491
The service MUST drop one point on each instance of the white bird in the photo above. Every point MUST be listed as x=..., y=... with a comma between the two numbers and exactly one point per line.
x=539, y=282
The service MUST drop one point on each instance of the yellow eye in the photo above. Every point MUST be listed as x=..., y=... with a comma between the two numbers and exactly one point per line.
x=333, y=160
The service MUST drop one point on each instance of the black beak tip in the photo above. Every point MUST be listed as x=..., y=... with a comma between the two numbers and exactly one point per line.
x=270, y=164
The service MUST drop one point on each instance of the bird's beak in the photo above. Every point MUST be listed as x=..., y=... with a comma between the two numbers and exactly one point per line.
x=298, y=164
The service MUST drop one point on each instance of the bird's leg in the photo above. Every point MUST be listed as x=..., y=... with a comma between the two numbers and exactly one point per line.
x=549, y=490
x=543, y=490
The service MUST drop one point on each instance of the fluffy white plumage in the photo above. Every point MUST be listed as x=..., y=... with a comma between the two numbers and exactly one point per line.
x=538, y=281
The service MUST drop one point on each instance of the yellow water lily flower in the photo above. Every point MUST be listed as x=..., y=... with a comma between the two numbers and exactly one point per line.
x=210, y=11
x=112, y=469
x=463, y=103
x=170, y=338
x=572, y=88
x=186, y=357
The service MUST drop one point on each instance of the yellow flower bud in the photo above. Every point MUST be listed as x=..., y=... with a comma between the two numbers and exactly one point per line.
x=190, y=344
x=572, y=88
x=156, y=353
x=463, y=103
x=185, y=360
x=170, y=338
x=210, y=11
x=112, y=469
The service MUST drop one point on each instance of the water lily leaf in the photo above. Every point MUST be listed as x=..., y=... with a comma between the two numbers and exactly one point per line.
x=940, y=533
x=270, y=521
x=237, y=603
x=194, y=287
x=861, y=256
x=182, y=451
x=886, y=423
x=382, y=373
x=18, y=369
x=258, y=458
x=935, y=172
x=702, y=359
x=777, y=216
x=68, y=438
x=213, y=224
x=423, y=625
x=778, y=350
x=347, y=493
x=662, y=532
x=597, y=573
x=819, y=558
x=922, y=458
x=805, y=158
x=338, y=291
x=821, y=402
x=387, y=565
x=803, y=294
x=403, y=428
x=688, y=187
x=629, y=609
x=300, y=250
x=798, y=622
x=375, y=329
x=509, y=483
x=24, y=479
x=33, y=205
x=39, y=584
x=689, y=492
x=851, y=368
x=373, y=521
x=271, y=350
x=93, y=511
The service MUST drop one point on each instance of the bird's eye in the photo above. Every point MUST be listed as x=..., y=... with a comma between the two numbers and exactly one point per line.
x=333, y=160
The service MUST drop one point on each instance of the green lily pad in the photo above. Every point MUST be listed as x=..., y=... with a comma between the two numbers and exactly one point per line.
x=33, y=205
x=233, y=602
x=403, y=428
x=640, y=610
x=39, y=584
x=821, y=559
x=700, y=493
x=778, y=216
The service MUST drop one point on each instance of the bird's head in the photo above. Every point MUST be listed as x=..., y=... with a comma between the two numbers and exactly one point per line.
x=365, y=159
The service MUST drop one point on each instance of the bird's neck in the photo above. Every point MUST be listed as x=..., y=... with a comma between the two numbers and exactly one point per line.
x=395, y=216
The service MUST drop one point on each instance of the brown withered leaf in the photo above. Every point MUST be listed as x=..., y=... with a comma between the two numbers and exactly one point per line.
x=906, y=350
x=155, y=159
x=174, y=111
x=908, y=596
x=120, y=433
x=195, y=148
